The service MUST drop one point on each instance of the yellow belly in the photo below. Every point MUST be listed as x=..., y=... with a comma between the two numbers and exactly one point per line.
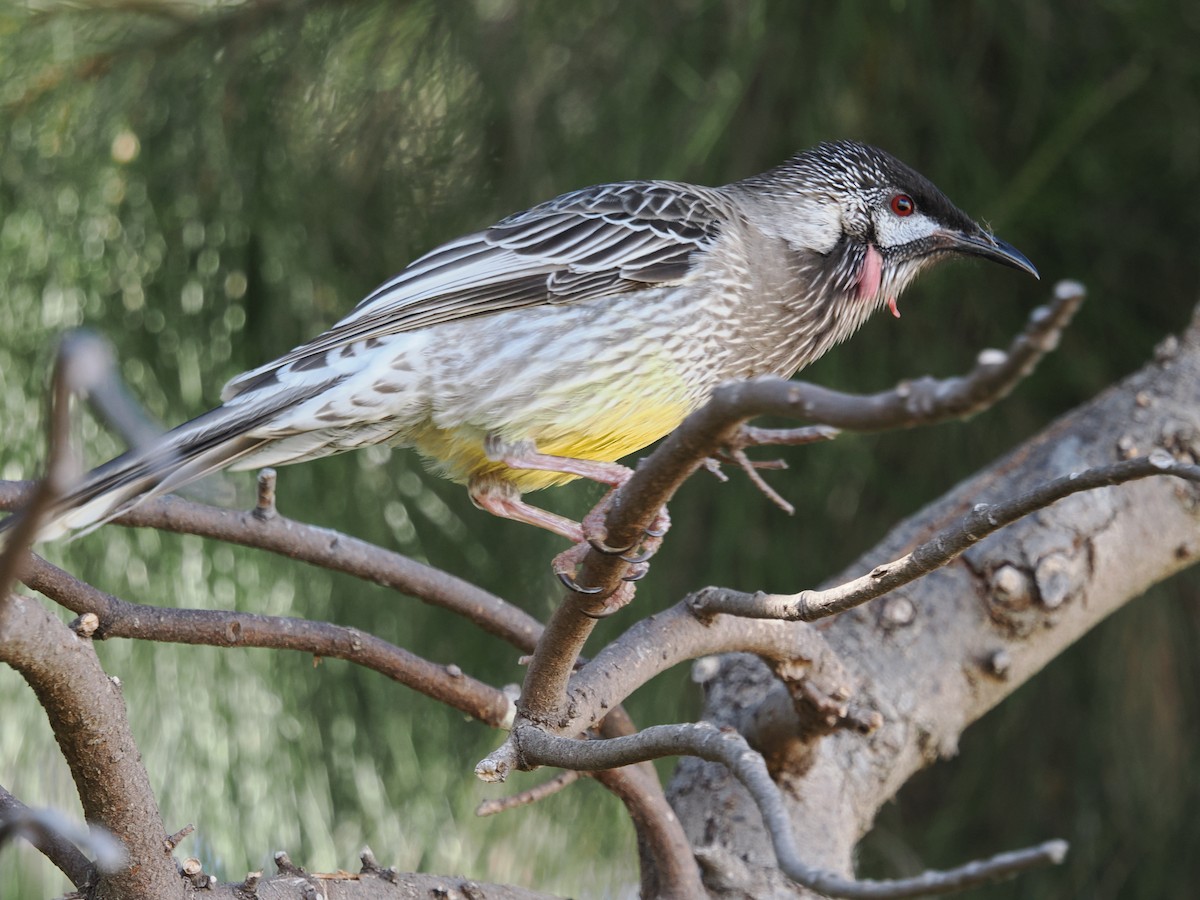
x=601, y=432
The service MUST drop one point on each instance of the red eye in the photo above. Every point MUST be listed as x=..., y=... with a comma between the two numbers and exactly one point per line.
x=902, y=205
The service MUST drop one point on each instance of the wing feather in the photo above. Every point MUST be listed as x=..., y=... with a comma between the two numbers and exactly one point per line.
x=596, y=242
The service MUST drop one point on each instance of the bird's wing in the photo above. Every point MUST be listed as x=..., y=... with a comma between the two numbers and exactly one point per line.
x=590, y=243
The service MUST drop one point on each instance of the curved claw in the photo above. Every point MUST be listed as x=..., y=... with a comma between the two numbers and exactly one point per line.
x=569, y=583
x=636, y=574
x=654, y=532
x=600, y=547
x=640, y=558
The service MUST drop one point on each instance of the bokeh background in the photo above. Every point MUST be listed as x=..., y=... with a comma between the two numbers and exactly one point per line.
x=209, y=184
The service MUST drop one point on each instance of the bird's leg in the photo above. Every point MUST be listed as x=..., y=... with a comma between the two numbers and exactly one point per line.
x=525, y=455
x=502, y=499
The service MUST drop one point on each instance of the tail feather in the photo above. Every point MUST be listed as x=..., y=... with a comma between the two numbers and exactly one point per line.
x=206, y=444
x=134, y=480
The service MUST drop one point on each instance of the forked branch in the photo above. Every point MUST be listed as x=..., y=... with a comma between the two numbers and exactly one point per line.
x=535, y=748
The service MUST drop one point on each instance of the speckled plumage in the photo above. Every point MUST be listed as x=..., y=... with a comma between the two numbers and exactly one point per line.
x=586, y=327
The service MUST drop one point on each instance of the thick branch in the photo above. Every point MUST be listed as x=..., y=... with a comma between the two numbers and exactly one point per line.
x=87, y=714
x=672, y=873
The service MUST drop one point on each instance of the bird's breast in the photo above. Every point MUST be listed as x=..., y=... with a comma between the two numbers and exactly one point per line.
x=593, y=383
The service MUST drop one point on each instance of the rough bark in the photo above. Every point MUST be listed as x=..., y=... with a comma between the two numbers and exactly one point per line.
x=87, y=713
x=936, y=655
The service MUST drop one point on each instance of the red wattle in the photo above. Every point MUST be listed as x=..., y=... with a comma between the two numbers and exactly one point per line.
x=871, y=275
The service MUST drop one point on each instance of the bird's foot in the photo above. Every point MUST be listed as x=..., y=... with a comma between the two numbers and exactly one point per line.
x=565, y=566
x=502, y=499
x=636, y=556
x=596, y=534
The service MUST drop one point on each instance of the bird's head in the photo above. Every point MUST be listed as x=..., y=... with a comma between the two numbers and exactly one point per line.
x=863, y=224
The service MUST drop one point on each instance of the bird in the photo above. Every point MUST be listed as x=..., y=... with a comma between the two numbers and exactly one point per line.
x=565, y=337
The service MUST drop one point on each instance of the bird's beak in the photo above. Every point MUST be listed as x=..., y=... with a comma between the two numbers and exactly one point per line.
x=989, y=247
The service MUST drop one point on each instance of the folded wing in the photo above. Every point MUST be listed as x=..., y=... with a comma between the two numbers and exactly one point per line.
x=599, y=241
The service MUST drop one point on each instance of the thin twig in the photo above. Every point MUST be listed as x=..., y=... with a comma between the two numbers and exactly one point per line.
x=704, y=740
x=753, y=436
x=946, y=545
x=264, y=506
x=744, y=462
x=529, y=796
x=173, y=841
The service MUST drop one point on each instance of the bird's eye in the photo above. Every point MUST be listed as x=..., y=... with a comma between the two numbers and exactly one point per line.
x=902, y=205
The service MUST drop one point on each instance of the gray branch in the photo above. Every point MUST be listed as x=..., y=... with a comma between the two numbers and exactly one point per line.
x=983, y=519
x=58, y=838
x=730, y=749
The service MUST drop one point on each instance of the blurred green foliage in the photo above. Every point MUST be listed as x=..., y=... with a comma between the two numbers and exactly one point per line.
x=209, y=184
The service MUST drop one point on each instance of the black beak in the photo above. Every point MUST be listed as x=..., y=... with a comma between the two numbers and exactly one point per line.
x=989, y=247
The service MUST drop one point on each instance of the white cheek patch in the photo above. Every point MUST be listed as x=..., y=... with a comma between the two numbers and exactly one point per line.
x=892, y=230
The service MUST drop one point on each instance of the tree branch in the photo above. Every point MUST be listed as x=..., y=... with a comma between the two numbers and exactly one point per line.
x=729, y=748
x=328, y=549
x=88, y=717
x=529, y=796
x=669, y=870
x=56, y=837
x=983, y=519
x=221, y=628
x=677, y=636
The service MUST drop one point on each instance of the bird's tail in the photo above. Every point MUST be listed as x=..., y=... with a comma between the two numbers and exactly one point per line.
x=211, y=442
